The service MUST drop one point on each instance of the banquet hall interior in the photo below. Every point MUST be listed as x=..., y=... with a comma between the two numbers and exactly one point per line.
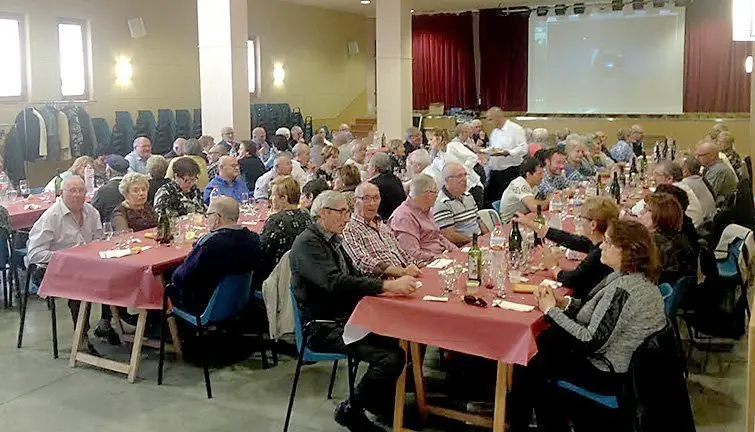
x=91, y=78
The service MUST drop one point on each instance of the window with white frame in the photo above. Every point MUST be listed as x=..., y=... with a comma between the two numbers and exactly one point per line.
x=74, y=59
x=12, y=51
x=252, y=53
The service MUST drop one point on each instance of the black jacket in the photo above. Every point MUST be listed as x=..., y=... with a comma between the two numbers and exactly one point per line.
x=590, y=270
x=322, y=289
x=252, y=168
x=391, y=193
x=107, y=198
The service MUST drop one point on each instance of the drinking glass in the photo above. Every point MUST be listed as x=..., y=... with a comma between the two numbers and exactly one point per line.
x=107, y=230
x=23, y=188
x=245, y=199
x=458, y=270
x=12, y=195
x=447, y=278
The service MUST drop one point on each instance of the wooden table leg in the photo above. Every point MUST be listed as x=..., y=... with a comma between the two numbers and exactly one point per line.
x=117, y=320
x=398, y=405
x=419, y=379
x=78, y=334
x=173, y=328
x=136, y=350
x=751, y=377
x=501, y=384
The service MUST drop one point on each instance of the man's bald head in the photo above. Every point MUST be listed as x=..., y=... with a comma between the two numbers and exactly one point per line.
x=259, y=134
x=365, y=187
x=74, y=193
x=178, y=146
x=143, y=147
x=226, y=208
x=706, y=153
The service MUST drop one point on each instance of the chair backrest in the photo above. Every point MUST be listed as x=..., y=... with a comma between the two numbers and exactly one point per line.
x=489, y=217
x=4, y=247
x=229, y=298
x=298, y=332
x=667, y=292
x=497, y=206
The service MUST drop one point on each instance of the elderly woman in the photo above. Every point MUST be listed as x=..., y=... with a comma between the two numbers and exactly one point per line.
x=597, y=213
x=359, y=157
x=134, y=212
x=282, y=227
x=329, y=157
x=347, y=179
x=456, y=151
x=180, y=196
x=539, y=141
x=577, y=168
x=157, y=166
x=597, y=154
x=593, y=339
x=193, y=151
x=77, y=168
x=663, y=216
x=397, y=152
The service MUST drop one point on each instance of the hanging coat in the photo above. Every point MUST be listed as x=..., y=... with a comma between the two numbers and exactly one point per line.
x=50, y=116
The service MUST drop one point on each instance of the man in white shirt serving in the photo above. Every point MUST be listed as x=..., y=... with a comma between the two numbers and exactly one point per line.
x=508, y=145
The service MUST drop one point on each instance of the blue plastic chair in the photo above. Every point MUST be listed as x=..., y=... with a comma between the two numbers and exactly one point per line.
x=229, y=298
x=37, y=190
x=497, y=206
x=308, y=355
x=729, y=267
x=608, y=401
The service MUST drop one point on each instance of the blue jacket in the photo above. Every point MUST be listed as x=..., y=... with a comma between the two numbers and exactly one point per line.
x=233, y=189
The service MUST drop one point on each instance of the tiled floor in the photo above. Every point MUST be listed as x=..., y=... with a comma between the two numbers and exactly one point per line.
x=38, y=393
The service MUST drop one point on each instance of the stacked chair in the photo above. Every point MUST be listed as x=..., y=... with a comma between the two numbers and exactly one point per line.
x=166, y=132
x=146, y=126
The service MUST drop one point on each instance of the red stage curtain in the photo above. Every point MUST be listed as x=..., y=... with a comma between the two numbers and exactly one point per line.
x=443, y=66
x=714, y=71
x=503, y=53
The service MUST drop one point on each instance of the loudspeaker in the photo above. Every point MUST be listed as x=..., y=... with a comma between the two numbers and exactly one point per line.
x=136, y=27
x=353, y=47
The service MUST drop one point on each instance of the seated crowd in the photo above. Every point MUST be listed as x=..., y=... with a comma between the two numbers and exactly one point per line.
x=352, y=228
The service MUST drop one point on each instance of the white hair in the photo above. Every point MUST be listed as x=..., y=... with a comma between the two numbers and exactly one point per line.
x=540, y=135
x=299, y=147
x=131, y=179
x=284, y=131
x=421, y=184
x=420, y=156
x=328, y=198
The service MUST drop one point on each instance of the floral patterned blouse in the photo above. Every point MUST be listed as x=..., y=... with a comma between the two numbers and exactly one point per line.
x=171, y=201
x=277, y=237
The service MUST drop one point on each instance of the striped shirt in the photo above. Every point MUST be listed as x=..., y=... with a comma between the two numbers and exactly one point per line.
x=460, y=212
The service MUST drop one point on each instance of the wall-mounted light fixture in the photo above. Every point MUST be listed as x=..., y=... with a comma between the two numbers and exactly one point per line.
x=279, y=74
x=123, y=71
x=748, y=64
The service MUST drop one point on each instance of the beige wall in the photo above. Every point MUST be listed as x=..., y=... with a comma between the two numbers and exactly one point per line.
x=311, y=43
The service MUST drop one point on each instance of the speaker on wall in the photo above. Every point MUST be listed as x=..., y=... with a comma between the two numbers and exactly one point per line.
x=136, y=27
x=353, y=47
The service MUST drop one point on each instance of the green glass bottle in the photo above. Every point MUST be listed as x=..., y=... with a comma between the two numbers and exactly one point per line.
x=539, y=220
x=515, y=238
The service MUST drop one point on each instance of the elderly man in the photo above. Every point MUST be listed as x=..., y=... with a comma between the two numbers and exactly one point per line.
x=137, y=159
x=228, y=249
x=370, y=244
x=478, y=135
x=71, y=221
x=213, y=159
x=108, y=196
x=520, y=195
x=380, y=173
x=303, y=159
x=228, y=182
x=297, y=135
x=342, y=142
x=725, y=143
x=553, y=174
x=226, y=139
x=455, y=211
x=539, y=141
x=636, y=135
x=721, y=178
x=417, y=233
x=419, y=162
x=413, y=140
x=327, y=286
x=702, y=189
x=509, y=148
x=177, y=150
x=669, y=172
x=282, y=166
x=343, y=127
x=259, y=138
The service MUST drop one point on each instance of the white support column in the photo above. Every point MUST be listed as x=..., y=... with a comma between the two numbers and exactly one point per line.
x=223, y=66
x=394, y=67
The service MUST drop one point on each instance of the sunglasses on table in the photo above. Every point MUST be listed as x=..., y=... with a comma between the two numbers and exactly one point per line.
x=475, y=301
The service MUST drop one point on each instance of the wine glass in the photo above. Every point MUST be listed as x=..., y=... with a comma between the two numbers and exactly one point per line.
x=12, y=195
x=107, y=230
x=447, y=278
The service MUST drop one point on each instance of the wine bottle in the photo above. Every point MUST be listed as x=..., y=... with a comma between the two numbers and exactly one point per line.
x=164, y=235
x=539, y=220
x=633, y=166
x=643, y=164
x=598, y=185
x=474, y=264
x=615, y=189
x=515, y=238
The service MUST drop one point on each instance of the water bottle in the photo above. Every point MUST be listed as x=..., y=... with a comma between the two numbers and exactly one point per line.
x=214, y=193
x=498, y=238
x=89, y=179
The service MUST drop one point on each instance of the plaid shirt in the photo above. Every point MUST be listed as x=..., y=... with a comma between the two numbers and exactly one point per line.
x=551, y=183
x=213, y=169
x=372, y=249
x=622, y=151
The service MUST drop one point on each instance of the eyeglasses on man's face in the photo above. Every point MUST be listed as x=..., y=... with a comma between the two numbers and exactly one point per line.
x=341, y=211
x=369, y=198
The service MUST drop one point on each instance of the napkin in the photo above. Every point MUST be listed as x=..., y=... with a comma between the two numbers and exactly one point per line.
x=249, y=223
x=503, y=304
x=440, y=263
x=32, y=207
x=551, y=283
x=118, y=253
x=434, y=298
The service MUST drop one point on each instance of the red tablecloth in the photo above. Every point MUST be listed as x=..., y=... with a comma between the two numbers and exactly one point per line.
x=24, y=218
x=132, y=281
x=490, y=332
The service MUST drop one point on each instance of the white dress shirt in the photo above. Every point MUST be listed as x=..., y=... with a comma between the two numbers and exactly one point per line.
x=694, y=210
x=57, y=229
x=298, y=173
x=457, y=152
x=511, y=138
